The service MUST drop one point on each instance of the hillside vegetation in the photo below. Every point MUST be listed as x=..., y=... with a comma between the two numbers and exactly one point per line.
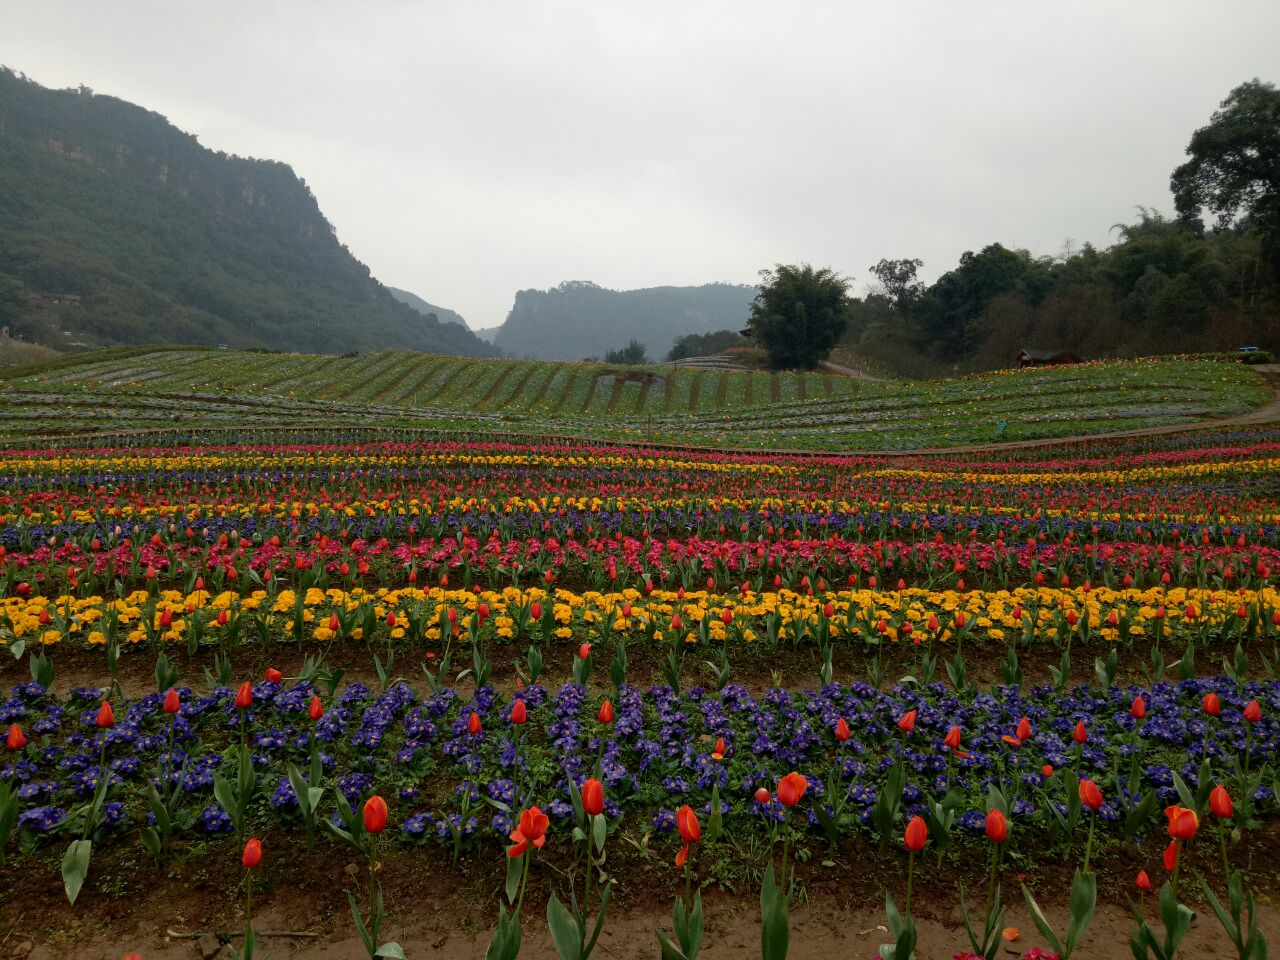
x=577, y=319
x=117, y=228
x=164, y=388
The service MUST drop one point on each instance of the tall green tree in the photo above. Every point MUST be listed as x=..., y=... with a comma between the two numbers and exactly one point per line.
x=799, y=314
x=633, y=353
x=1234, y=170
x=898, y=277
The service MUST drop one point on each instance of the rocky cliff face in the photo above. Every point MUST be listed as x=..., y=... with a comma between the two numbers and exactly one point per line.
x=168, y=240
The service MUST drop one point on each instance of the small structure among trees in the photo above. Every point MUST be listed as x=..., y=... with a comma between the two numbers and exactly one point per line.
x=1031, y=357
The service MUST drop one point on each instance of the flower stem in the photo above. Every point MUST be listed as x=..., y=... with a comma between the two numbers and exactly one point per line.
x=911, y=859
x=1222, y=840
x=1088, y=847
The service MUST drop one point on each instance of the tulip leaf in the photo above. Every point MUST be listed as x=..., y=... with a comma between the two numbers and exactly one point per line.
x=75, y=867
x=514, y=867
x=392, y=951
x=565, y=933
x=774, y=932
x=599, y=829
x=669, y=950
x=1038, y=918
x=1084, y=900
x=1184, y=793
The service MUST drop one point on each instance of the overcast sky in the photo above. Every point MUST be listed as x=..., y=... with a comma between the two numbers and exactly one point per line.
x=469, y=149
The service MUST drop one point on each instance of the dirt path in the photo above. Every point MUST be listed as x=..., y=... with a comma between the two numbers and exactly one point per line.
x=849, y=372
x=824, y=929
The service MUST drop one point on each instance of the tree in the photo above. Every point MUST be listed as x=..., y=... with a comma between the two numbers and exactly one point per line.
x=1234, y=170
x=799, y=314
x=898, y=277
x=633, y=353
x=949, y=312
x=705, y=344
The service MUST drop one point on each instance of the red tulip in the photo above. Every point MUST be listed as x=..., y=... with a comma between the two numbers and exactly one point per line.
x=791, y=789
x=244, y=697
x=1220, y=803
x=1138, y=710
x=535, y=610
x=172, y=704
x=606, y=712
x=106, y=718
x=1143, y=882
x=997, y=826
x=593, y=797
x=916, y=835
x=584, y=651
x=473, y=724
x=763, y=795
x=375, y=814
x=907, y=722
x=952, y=740
x=1171, y=856
x=334, y=623
x=1046, y=771
x=1080, y=734
x=532, y=829
x=1182, y=822
x=1024, y=729
x=16, y=739
x=842, y=730
x=252, y=855
x=726, y=616
x=1253, y=711
x=1090, y=794
x=315, y=709
x=687, y=824
x=519, y=713
x=720, y=749
x=273, y=675
x=1212, y=705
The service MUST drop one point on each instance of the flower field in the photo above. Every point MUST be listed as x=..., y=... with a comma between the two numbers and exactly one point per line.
x=188, y=388
x=560, y=674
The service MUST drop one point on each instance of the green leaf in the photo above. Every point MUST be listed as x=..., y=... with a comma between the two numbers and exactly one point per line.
x=361, y=929
x=1184, y=793
x=669, y=950
x=514, y=866
x=392, y=951
x=599, y=828
x=775, y=934
x=565, y=932
x=75, y=867
x=1084, y=899
x=1038, y=918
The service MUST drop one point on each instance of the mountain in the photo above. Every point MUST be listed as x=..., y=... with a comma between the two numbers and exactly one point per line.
x=426, y=309
x=116, y=227
x=580, y=319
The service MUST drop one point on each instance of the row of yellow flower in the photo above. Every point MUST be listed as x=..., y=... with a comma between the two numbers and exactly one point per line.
x=384, y=460
x=381, y=459
x=413, y=507
x=913, y=614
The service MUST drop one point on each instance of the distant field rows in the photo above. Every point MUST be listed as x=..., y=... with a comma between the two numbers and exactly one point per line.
x=174, y=388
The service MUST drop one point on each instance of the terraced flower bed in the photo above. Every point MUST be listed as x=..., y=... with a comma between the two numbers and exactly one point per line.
x=543, y=671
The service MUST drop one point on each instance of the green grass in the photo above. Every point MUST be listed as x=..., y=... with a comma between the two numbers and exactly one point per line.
x=149, y=388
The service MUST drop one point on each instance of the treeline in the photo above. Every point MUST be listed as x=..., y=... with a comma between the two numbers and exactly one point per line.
x=1161, y=288
x=117, y=228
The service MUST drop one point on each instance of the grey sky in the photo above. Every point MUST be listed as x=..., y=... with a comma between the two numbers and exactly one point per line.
x=468, y=149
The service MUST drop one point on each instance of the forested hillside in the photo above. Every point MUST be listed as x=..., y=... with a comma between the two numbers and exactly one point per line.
x=580, y=319
x=116, y=227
